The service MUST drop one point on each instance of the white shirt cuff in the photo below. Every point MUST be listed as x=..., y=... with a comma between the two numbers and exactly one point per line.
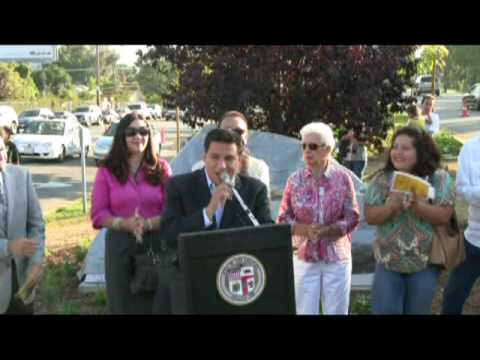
x=206, y=220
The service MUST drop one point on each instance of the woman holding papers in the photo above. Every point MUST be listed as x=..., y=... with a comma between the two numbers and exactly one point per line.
x=405, y=282
x=320, y=204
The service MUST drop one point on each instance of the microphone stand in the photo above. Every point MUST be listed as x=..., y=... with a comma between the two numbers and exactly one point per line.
x=230, y=182
x=245, y=207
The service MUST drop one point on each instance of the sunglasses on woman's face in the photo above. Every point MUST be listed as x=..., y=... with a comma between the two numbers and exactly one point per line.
x=312, y=146
x=131, y=131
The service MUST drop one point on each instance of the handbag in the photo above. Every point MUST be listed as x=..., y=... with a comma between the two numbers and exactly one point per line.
x=448, y=248
x=146, y=266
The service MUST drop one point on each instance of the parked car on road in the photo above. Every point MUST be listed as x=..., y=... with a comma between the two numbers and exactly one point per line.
x=156, y=111
x=104, y=143
x=171, y=114
x=65, y=115
x=472, y=98
x=88, y=115
x=110, y=116
x=122, y=111
x=34, y=114
x=8, y=117
x=142, y=109
x=51, y=139
x=423, y=85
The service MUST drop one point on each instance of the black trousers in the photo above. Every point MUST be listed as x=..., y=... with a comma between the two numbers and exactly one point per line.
x=119, y=250
x=16, y=306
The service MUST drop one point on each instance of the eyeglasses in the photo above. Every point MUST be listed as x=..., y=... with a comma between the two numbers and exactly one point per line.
x=239, y=131
x=312, y=146
x=131, y=131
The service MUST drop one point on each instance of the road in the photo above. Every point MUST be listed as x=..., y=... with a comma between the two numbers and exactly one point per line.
x=450, y=110
x=58, y=184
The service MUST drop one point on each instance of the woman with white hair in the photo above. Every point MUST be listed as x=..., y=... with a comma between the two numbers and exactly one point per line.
x=320, y=204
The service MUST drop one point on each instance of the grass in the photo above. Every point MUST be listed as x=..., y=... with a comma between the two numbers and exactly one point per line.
x=58, y=291
x=69, y=212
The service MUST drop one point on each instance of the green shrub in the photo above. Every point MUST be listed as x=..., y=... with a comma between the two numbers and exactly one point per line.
x=360, y=304
x=447, y=143
x=101, y=298
x=69, y=307
x=81, y=250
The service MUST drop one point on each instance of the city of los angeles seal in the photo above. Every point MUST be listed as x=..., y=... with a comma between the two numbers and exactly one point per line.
x=241, y=279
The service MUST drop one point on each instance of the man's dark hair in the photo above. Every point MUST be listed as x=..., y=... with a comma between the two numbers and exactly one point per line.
x=223, y=136
x=428, y=155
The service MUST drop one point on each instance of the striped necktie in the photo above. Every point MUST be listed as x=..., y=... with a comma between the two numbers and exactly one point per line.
x=217, y=216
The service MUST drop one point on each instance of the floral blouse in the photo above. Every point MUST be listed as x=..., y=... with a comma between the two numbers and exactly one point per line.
x=330, y=200
x=403, y=244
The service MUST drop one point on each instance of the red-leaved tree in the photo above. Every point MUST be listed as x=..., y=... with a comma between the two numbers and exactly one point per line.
x=282, y=88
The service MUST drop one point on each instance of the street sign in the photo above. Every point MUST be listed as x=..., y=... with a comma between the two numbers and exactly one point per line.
x=30, y=53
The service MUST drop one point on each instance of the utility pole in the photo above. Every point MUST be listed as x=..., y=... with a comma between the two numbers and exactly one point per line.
x=178, y=130
x=98, y=75
x=433, y=74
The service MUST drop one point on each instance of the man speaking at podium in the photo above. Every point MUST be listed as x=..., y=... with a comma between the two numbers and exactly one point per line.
x=214, y=197
x=201, y=200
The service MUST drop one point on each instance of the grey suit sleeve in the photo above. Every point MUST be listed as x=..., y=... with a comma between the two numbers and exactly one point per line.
x=4, y=248
x=35, y=223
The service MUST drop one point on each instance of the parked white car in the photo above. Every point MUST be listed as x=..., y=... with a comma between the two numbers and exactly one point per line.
x=104, y=143
x=65, y=115
x=156, y=111
x=122, y=111
x=88, y=115
x=142, y=109
x=8, y=117
x=51, y=139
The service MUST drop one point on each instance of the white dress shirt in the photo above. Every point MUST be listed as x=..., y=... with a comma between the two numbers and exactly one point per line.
x=219, y=213
x=468, y=187
x=434, y=127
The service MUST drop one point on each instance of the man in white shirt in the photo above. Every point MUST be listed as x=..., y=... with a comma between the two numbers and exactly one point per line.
x=462, y=278
x=249, y=165
x=432, y=120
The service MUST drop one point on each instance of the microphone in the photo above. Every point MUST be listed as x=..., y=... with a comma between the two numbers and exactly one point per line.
x=230, y=182
x=227, y=180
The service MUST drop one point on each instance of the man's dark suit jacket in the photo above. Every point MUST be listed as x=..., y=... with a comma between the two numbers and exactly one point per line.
x=188, y=194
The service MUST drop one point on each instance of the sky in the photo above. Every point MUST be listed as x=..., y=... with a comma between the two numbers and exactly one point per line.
x=127, y=52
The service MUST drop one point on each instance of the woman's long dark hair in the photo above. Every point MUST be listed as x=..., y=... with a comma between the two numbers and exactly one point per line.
x=117, y=159
x=428, y=155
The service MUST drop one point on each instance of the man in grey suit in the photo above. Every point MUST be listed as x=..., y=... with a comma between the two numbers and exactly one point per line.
x=22, y=235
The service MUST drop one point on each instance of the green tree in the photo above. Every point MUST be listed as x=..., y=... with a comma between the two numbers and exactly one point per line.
x=463, y=66
x=431, y=54
x=57, y=80
x=80, y=61
x=24, y=70
x=156, y=80
x=13, y=86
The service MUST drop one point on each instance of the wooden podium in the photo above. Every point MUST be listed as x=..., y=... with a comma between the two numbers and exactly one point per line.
x=245, y=270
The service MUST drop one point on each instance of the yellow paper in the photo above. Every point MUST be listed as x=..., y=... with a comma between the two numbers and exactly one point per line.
x=405, y=182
